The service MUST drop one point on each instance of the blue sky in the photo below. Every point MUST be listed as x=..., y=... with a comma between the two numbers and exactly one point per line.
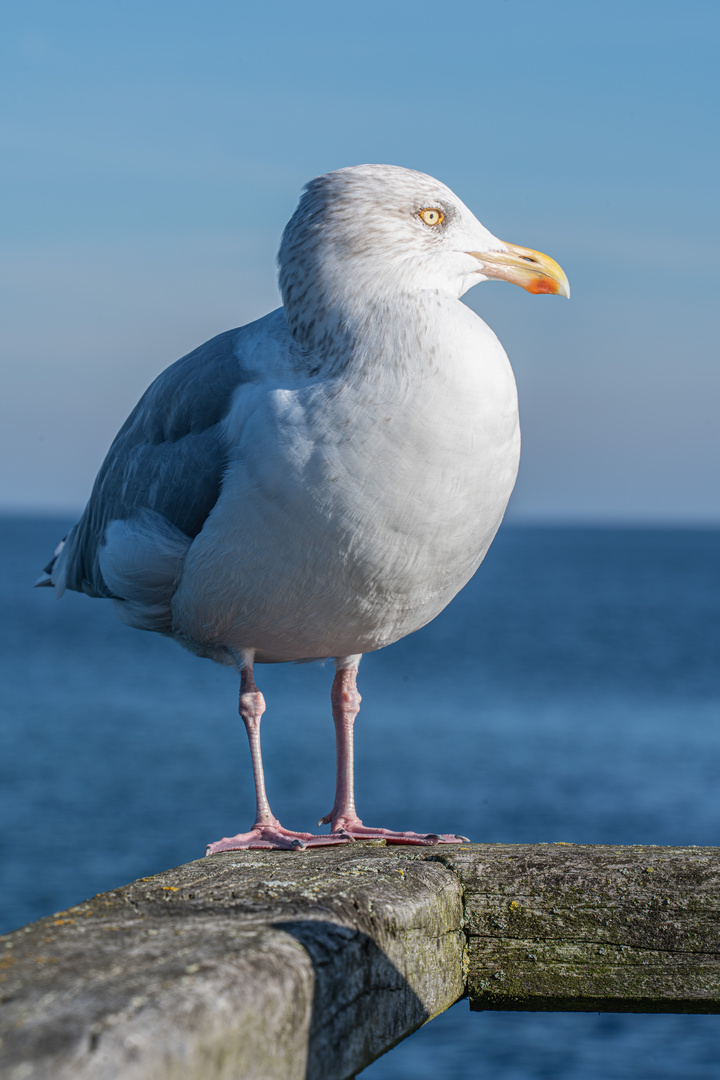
x=154, y=152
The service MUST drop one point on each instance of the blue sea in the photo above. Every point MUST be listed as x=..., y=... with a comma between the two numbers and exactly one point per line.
x=571, y=692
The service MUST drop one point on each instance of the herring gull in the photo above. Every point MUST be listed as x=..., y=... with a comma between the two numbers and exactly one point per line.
x=323, y=481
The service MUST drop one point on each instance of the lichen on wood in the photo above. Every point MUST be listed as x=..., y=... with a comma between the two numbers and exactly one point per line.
x=601, y=928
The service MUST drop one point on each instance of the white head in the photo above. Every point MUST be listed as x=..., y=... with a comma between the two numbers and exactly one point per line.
x=366, y=234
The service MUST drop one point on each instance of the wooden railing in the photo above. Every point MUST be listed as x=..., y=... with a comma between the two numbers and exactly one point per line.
x=311, y=964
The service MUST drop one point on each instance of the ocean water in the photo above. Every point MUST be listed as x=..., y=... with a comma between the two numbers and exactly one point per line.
x=571, y=692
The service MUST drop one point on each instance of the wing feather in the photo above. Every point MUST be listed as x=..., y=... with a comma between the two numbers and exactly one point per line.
x=168, y=458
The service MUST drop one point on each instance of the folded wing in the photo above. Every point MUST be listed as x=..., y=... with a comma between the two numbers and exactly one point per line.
x=158, y=484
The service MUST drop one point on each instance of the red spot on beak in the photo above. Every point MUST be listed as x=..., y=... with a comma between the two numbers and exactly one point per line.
x=542, y=285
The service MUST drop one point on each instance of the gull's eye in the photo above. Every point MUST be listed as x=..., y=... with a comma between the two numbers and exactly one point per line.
x=431, y=215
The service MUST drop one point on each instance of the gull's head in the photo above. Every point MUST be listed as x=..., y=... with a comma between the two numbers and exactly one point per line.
x=370, y=232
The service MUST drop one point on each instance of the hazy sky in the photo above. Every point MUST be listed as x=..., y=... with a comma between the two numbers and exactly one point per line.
x=153, y=152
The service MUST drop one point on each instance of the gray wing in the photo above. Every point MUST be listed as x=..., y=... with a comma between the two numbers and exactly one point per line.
x=168, y=458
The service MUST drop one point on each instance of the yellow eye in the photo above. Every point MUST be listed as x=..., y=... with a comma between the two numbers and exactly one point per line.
x=431, y=215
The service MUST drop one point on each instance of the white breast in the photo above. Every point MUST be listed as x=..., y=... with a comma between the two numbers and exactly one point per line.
x=356, y=507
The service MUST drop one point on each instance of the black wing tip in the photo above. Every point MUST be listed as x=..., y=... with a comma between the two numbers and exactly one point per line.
x=45, y=580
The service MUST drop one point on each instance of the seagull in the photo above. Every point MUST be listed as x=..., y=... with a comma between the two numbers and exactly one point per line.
x=323, y=481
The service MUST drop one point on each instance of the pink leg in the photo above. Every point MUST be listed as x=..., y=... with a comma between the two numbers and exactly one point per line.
x=343, y=817
x=267, y=832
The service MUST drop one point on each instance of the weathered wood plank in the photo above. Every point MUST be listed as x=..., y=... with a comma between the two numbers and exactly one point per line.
x=568, y=927
x=311, y=964
x=255, y=964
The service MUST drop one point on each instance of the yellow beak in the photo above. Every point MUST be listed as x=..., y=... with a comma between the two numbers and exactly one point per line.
x=529, y=269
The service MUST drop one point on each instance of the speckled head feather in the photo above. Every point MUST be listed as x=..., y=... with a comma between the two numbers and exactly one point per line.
x=356, y=240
